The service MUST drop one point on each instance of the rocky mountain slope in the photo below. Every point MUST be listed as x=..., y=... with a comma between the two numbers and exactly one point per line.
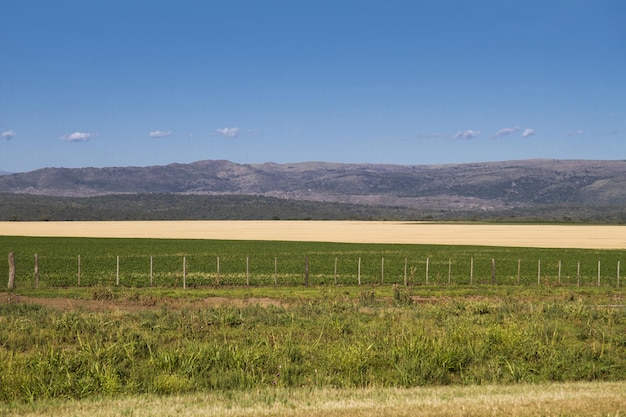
x=474, y=186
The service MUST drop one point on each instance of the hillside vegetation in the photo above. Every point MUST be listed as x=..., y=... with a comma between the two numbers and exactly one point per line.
x=14, y=207
x=28, y=207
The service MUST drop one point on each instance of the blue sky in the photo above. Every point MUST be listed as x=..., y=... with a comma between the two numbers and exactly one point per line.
x=117, y=83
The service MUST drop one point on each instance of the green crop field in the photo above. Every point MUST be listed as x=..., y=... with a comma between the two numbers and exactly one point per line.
x=133, y=262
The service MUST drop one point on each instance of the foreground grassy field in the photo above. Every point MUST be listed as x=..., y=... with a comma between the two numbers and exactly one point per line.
x=136, y=342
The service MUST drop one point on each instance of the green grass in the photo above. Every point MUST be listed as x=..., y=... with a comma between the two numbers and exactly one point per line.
x=334, y=340
x=283, y=263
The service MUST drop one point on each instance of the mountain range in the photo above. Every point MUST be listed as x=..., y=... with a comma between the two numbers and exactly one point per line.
x=472, y=187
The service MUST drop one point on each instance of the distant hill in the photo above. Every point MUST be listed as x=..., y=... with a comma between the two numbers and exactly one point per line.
x=488, y=185
x=4, y=173
x=526, y=188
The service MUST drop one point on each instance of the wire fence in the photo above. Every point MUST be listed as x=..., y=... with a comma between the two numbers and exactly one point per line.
x=194, y=271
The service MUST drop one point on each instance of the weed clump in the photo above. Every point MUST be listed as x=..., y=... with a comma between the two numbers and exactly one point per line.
x=402, y=296
x=367, y=298
x=102, y=293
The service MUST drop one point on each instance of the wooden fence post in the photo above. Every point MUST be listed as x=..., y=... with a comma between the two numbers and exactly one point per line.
x=578, y=274
x=359, y=272
x=427, y=262
x=539, y=272
x=217, y=279
x=117, y=272
x=405, y=279
x=618, y=273
x=335, y=270
x=493, y=271
x=598, y=273
x=36, y=271
x=184, y=272
x=472, y=271
x=151, y=275
x=11, y=283
x=306, y=271
x=382, y=271
x=78, y=273
x=519, y=269
x=275, y=271
x=247, y=270
x=449, y=270
x=559, y=276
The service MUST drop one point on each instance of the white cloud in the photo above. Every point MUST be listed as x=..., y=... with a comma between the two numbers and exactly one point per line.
x=159, y=133
x=467, y=134
x=575, y=133
x=228, y=132
x=505, y=131
x=79, y=137
x=8, y=135
x=528, y=132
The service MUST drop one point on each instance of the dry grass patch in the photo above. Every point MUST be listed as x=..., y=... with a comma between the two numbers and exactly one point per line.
x=570, y=399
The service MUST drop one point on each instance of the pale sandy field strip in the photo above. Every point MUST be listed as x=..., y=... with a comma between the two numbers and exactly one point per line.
x=588, y=399
x=527, y=235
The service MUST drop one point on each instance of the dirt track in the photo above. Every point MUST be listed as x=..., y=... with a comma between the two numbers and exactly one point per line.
x=546, y=236
x=135, y=305
x=132, y=304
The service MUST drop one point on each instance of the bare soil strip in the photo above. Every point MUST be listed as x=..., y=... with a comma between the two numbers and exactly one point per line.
x=540, y=236
x=137, y=305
